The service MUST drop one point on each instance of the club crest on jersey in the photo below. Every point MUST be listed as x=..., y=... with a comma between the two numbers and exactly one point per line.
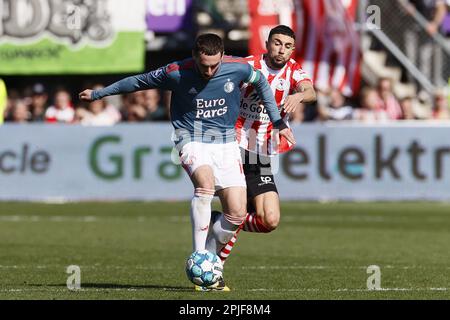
x=229, y=86
x=280, y=85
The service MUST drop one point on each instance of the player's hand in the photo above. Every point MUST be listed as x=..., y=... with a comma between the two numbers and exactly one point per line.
x=86, y=95
x=287, y=133
x=292, y=102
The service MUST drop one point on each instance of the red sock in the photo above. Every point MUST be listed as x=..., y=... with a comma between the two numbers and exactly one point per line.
x=251, y=224
x=254, y=224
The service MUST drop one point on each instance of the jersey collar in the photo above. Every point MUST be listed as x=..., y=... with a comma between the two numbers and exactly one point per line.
x=271, y=71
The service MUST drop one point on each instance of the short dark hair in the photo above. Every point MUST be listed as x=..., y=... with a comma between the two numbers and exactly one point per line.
x=282, y=29
x=209, y=44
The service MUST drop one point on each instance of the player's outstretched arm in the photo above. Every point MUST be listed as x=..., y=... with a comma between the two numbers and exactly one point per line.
x=154, y=79
x=127, y=85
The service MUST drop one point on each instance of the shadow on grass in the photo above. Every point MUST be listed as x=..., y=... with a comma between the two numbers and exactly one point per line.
x=115, y=286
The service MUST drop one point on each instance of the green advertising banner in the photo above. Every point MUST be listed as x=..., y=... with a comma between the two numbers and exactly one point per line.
x=71, y=36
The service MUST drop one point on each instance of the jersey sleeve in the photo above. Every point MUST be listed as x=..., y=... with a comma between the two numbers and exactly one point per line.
x=260, y=83
x=299, y=76
x=157, y=79
x=163, y=78
x=252, y=74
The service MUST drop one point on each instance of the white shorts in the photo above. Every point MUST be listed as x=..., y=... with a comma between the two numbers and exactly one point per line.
x=224, y=159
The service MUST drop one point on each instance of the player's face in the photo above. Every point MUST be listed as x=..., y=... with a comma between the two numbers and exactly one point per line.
x=279, y=50
x=208, y=65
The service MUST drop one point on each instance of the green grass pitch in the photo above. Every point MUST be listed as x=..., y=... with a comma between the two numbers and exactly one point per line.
x=138, y=250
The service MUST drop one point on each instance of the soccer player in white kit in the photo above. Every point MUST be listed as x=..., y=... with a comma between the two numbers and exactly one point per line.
x=204, y=108
x=291, y=87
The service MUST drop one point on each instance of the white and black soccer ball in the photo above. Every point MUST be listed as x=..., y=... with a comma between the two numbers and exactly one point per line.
x=204, y=268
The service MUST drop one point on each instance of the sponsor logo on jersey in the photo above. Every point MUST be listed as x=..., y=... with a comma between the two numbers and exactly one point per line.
x=211, y=108
x=265, y=180
x=156, y=73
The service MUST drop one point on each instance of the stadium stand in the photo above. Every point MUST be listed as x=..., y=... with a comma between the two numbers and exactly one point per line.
x=404, y=53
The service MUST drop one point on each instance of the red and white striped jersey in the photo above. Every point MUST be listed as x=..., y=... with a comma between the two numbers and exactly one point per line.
x=253, y=127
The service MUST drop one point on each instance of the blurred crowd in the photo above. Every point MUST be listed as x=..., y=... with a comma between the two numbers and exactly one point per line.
x=374, y=104
x=35, y=104
x=380, y=104
x=436, y=12
x=38, y=103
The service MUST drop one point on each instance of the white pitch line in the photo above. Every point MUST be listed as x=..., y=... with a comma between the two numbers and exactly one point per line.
x=393, y=289
x=52, y=267
x=131, y=289
x=355, y=218
x=290, y=267
x=34, y=218
x=186, y=218
x=347, y=290
x=67, y=290
x=260, y=267
x=61, y=218
x=293, y=267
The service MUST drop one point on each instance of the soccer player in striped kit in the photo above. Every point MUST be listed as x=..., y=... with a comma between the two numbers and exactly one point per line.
x=291, y=87
x=204, y=109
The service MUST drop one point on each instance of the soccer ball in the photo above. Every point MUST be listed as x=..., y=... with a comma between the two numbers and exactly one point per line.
x=204, y=268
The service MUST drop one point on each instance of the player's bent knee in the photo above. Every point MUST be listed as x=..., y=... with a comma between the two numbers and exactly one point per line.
x=271, y=220
x=203, y=178
x=238, y=209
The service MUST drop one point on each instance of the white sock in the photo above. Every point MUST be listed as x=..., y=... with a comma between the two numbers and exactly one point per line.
x=222, y=232
x=200, y=218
